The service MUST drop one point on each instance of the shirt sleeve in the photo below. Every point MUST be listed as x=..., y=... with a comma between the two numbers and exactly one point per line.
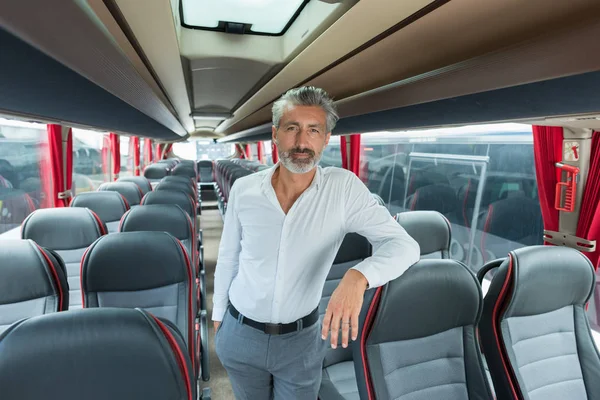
x=228, y=258
x=394, y=250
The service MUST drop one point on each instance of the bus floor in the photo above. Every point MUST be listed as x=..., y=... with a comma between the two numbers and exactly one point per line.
x=212, y=226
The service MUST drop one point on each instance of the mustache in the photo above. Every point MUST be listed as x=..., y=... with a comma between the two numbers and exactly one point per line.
x=298, y=150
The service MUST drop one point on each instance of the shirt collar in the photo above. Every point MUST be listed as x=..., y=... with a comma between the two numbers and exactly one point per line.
x=316, y=182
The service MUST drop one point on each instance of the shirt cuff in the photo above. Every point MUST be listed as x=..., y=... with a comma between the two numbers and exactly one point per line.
x=218, y=313
x=369, y=273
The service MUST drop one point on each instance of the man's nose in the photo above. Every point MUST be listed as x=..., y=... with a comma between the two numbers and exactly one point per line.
x=302, y=138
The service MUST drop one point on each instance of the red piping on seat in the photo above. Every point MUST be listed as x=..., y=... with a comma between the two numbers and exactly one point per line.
x=100, y=224
x=81, y=277
x=363, y=341
x=126, y=202
x=495, y=318
x=55, y=276
x=191, y=304
x=180, y=358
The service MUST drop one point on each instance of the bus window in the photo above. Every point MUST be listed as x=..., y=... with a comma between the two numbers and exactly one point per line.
x=24, y=170
x=332, y=156
x=91, y=160
x=482, y=179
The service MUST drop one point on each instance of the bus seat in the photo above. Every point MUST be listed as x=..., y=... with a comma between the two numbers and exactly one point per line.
x=15, y=206
x=33, y=281
x=109, y=206
x=178, y=186
x=185, y=170
x=155, y=172
x=4, y=183
x=129, y=190
x=163, y=218
x=179, y=178
x=143, y=182
x=148, y=270
x=534, y=329
x=418, y=339
x=205, y=169
x=120, y=354
x=441, y=198
x=430, y=229
x=514, y=219
x=338, y=368
x=69, y=232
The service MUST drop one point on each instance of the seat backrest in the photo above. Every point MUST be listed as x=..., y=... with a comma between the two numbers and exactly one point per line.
x=120, y=354
x=185, y=170
x=163, y=218
x=69, y=232
x=353, y=250
x=183, y=200
x=155, y=172
x=534, y=329
x=514, y=219
x=15, y=206
x=430, y=229
x=33, y=281
x=178, y=186
x=441, y=198
x=109, y=206
x=149, y=270
x=179, y=178
x=418, y=338
x=143, y=182
x=129, y=190
x=205, y=170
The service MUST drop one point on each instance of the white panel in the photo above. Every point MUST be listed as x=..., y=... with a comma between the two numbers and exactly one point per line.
x=266, y=16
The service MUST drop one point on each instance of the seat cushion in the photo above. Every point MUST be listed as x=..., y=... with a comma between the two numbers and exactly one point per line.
x=339, y=382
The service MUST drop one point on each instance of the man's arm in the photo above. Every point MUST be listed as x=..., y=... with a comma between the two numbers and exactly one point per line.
x=394, y=251
x=228, y=258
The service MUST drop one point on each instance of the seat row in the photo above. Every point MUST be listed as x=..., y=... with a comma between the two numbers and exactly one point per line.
x=421, y=336
x=149, y=270
x=227, y=172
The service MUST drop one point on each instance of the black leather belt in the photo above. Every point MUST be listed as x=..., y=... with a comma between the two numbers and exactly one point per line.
x=277, y=329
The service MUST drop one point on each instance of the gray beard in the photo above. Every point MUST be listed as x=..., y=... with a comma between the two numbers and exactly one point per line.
x=299, y=166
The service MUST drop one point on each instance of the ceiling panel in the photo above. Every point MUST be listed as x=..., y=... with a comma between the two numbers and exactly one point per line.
x=220, y=83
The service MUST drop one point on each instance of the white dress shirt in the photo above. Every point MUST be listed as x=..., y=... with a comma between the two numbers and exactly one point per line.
x=273, y=266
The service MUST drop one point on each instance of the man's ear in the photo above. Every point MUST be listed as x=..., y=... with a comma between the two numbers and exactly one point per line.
x=327, y=138
x=274, y=133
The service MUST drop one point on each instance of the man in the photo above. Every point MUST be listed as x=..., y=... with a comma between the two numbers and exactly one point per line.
x=281, y=233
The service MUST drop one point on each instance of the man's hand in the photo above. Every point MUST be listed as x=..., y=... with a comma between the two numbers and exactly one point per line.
x=216, y=325
x=344, y=308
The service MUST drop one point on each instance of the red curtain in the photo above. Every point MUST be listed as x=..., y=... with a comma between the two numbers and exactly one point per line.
x=355, y=154
x=260, y=152
x=105, y=156
x=135, y=147
x=158, y=152
x=61, y=187
x=344, y=151
x=547, y=144
x=148, y=152
x=248, y=151
x=274, y=154
x=588, y=226
x=115, y=149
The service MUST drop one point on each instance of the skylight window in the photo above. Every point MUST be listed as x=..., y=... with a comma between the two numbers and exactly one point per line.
x=270, y=17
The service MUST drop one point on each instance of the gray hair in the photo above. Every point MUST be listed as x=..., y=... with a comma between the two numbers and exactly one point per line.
x=306, y=96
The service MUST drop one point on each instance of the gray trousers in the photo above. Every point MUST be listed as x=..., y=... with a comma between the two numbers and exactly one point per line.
x=263, y=367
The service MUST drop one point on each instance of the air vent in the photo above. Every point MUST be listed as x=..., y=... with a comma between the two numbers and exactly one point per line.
x=235, y=27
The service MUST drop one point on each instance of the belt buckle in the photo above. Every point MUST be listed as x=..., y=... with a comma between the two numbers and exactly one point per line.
x=272, y=329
